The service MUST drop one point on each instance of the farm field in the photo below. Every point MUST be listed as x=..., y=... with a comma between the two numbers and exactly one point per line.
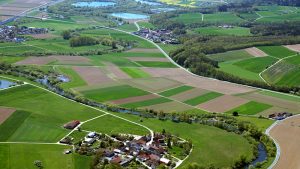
x=237, y=31
x=250, y=108
x=202, y=98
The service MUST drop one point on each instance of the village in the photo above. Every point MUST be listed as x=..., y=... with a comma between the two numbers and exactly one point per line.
x=158, y=36
x=10, y=33
x=127, y=150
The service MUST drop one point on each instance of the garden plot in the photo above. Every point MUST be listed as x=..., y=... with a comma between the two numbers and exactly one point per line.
x=256, y=52
x=223, y=104
x=42, y=60
x=170, y=107
x=295, y=48
x=286, y=133
x=5, y=113
x=154, y=84
x=134, y=99
x=290, y=106
x=92, y=75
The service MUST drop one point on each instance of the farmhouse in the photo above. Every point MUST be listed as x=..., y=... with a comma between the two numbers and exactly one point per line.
x=71, y=125
x=280, y=116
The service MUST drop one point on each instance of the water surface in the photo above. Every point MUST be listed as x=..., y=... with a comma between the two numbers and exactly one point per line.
x=6, y=84
x=124, y=15
x=93, y=4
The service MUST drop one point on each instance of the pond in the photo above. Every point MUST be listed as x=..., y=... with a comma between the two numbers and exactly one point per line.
x=149, y=2
x=93, y=4
x=262, y=155
x=6, y=84
x=159, y=10
x=129, y=16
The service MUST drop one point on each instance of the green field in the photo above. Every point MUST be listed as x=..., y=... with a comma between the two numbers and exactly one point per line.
x=236, y=31
x=19, y=50
x=189, y=18
x=146, y=25
x=281, y=96
x=261, y=123
x=229, y=67
x=294, y=60
x=46, y=116
x=75, y=79
x=112, y=125
x=283, y=73
x=15, y=156
x=128, y=27
x=157, y=64
x=202, y=98
x=113, y=93
x=250, y=108
x=135, y=72
x=11, y=59
x=230, y=55
x=222, y=18
x=277, y=51
x=146, y=103
x=257, y=64
x=176, y=90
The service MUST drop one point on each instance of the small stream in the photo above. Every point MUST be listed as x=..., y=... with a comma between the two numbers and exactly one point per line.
x=262, y=155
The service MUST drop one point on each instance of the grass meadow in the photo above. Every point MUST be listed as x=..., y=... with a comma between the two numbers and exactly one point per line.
x=277, y=51
x=135, y=72
x=202, y=98
x=230, y=55
x=176, y=90
x=236, y=31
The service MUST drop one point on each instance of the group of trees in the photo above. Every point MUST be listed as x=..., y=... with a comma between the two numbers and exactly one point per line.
x=285, y=28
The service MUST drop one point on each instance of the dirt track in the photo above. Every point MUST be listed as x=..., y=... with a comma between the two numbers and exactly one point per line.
x=287, y=134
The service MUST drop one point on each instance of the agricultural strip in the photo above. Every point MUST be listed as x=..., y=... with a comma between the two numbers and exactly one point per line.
x=135, y=72
x=256, y=65
x=256, y=52
x=222, y=104
x=169, y=107
x=113, y=93
x=157, y=64
x=277, y=51
x=5, y=113
x=92, y=75
x=146, y=103
x=202, y=98
x=230, y=55
x=175, y=91
x=75, y=79
x=251, y=108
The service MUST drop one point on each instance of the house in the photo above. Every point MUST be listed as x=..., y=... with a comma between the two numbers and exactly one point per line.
x=165, y=161
x=71, y=125
x=116, y=160
x=89, y=140
x=91, y=135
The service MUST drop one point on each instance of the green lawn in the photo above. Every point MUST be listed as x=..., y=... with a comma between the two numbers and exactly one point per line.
x=112, y=125
x=176, y=90
x=75, y=79
x=236, y=31
x=277, y=51
x=146, y=103
x=250, y=108
x=135, y=72
x=157, y=64
x=113, y=93
x=230, y=55
x=48, y=112
x=202, y=98
x=257, y=64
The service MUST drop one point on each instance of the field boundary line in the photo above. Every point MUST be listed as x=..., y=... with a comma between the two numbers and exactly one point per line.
x=278, y=150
